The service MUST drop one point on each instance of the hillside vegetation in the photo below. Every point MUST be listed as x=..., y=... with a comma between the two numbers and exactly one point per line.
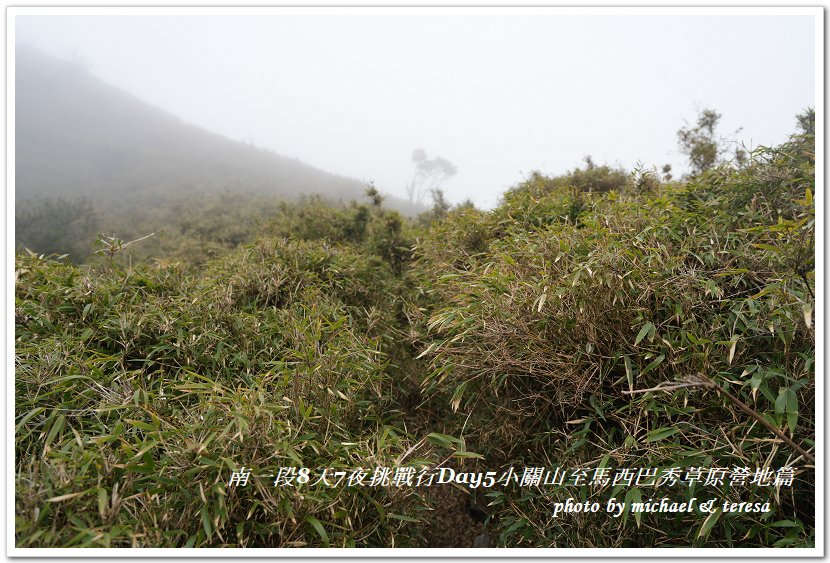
x=91, y=158
x=600, y=319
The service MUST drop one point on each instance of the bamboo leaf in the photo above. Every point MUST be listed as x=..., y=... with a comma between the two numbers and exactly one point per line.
x=643, y=332
x=629, y=372
x=709, y=523
x=318, y=527
x=792, y=409
x=67, y=496
x=657, y=361
x=403, y=518
x=455, y=402
x=661, y=433
x=781, y=401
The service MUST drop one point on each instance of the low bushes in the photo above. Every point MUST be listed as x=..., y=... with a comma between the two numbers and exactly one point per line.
x=546, y=321
x=140, y=391
x=595, y=321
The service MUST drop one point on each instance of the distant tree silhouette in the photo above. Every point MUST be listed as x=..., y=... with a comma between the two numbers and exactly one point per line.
x=807, y=122
x=703, y=145
x=429, y=174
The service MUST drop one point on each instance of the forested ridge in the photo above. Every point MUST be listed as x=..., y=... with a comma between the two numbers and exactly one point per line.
x=600, y=319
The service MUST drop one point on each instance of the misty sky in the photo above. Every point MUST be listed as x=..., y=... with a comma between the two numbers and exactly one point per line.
x=499, y=96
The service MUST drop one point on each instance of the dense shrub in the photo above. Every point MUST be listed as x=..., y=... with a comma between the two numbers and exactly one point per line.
x=139, y=391
x=56, y=225
x=368, y=227
x=595, y=320
x=542, y=316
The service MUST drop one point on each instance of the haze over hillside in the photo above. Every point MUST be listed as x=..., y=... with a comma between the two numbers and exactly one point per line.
x=78, y=136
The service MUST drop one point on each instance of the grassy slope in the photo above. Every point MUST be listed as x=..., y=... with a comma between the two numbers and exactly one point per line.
x=138, y=389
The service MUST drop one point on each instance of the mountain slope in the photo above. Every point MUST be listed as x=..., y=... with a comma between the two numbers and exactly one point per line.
x=76, y=135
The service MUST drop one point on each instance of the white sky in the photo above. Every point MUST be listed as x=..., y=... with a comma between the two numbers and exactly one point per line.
x=499, y=96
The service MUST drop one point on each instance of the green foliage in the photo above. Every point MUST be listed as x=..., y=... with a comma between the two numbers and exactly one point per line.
x=595, y=178
x=546, y=312
x=704, y=146
x=139, y=391
x=551, y=331
x=592, y=178
x=56, y=225
x=372, y=229
x=699, y=142
x=807, y=122
x=440, y=208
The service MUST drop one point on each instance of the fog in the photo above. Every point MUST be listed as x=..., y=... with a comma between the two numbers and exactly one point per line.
x=498, y=96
